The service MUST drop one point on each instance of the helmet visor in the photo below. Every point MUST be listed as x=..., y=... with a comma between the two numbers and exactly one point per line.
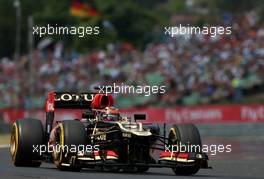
x=113, y=117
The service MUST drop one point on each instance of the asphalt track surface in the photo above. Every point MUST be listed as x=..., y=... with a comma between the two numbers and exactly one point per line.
x=245, y=161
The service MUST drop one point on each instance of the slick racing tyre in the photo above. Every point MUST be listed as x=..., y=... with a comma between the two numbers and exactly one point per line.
x=185, y=134
x=70, y=133
x=26, y=135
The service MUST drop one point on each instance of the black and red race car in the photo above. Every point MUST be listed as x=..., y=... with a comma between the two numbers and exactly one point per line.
x=103, y=139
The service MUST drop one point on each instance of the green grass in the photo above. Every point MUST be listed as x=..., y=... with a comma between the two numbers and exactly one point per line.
x=4, y=139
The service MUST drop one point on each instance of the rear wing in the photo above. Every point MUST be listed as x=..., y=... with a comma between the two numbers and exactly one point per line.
x=68, y=100
x=77, y=100
x=73, y=101
x=65, y=100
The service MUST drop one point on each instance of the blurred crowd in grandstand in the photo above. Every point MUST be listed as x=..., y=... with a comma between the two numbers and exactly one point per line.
x=195, y=70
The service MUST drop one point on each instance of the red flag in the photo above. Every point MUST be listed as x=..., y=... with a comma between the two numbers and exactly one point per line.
x=82, y=9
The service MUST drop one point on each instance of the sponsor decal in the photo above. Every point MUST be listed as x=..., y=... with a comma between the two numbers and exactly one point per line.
x=74, y=97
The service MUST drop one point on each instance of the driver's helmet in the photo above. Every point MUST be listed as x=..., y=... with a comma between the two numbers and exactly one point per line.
x=111, y=114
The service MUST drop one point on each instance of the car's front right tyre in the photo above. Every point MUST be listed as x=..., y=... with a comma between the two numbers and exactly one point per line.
x=185, y=134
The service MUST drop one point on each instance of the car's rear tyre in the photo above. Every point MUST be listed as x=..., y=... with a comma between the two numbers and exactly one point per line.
x=185, y=134
x=26, y=138
x=70, y=133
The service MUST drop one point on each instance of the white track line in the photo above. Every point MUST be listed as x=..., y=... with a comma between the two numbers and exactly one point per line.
x=4, y=146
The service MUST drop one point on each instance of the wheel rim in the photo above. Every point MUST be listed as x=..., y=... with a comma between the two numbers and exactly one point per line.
x=58, y=154
x=14, y=141
x=173, y=137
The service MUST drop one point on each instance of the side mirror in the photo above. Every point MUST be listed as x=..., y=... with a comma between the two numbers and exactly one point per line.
x=139, y=117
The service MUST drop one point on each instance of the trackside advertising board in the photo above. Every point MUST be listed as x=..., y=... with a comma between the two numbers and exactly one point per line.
x=194, y=114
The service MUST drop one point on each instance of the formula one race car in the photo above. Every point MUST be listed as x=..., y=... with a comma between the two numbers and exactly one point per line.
x=103, y=139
